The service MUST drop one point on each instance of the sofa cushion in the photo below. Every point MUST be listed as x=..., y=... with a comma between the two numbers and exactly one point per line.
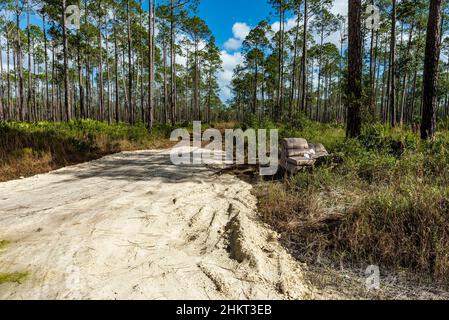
x=300, y=161
x=295, y=143
x=295, y=152
x=319, y=148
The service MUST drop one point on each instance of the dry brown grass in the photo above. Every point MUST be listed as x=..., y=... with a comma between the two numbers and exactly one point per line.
x=303, y=218
x=399, y=227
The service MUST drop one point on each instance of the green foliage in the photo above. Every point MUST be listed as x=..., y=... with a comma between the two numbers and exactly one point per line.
x=4, y=244
x=16, y=277
x=383, y=199
x=29, y=148
x=299, y=126
x=81, y=133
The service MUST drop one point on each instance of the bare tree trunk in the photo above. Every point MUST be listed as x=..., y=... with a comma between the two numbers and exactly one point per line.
x=108, y=75
x=431, y=61
x=256, y=76
x=372, y=72
x=281, y=62
x=413, y=100
x=404, y=81
x=304, y=59
x=88, y=89
x=354, y=69
x=80, y=85
x=392, y=92
x=100, y=69
x=195, y=85
x=29, y=62
x=294, y=67
x=340, y=76
x=209, y=97
x=116, y=57
x=173, y=97
x=376, y=74
x=130, y=68
x=46, y=106
x=164, y=49
x=53, y=108
x=19, y=65
x=2, y=108
x=8, y=80
x=66, y=65
x=320, y=62
x=151, y=24
x=33, y=88
x=33, y=93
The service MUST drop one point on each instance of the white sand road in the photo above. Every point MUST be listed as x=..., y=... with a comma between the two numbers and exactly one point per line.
x=134, y=226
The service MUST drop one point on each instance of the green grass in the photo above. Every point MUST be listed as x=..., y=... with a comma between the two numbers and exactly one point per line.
x=30, y=148
x=4, y=244
x=15, y=277
x=382, y=199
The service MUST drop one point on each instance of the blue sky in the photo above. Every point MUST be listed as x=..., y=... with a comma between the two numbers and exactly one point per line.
x=221, y=15
x=230, y=21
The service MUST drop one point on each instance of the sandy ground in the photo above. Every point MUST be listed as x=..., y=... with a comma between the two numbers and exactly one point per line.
x=133, y=226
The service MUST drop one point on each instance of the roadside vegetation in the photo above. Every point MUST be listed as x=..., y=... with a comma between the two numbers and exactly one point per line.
x=30, y=148
x=3, y=244
x=381, y=199
x=17, y=277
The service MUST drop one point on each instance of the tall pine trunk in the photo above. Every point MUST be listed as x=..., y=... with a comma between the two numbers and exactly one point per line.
x=431, y=61
x=19, y=65
x=280, y=95
x=354, y=69
x=130, y=68
x=2, y=108
x=100, y=70
x=294, y=68
x=67, y=106
x=304, y=60
x=151, y=24
x=46, y=105
x=392, y=92
x=29, y=93
x=173, y=97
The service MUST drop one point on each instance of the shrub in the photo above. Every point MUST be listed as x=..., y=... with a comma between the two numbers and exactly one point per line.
x=29, y=148
x=385, y=201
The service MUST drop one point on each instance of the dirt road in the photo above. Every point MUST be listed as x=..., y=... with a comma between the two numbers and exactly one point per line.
x=133, y=226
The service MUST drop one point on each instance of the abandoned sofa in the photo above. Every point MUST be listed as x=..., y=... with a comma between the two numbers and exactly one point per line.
x=297, y=153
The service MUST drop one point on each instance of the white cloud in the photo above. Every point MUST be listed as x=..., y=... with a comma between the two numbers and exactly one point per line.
x=240, y=31
x=230, y=61
x=289, y=24
x=340, y=7
x=233, y=44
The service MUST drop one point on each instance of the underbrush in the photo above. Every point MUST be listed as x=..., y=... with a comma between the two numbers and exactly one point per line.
x=30, y=148
x=382, y=199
